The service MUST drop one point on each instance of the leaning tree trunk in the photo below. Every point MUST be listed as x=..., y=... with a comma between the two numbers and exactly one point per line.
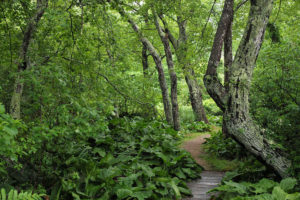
x=235, y=101
x=180, y=47
x=23, y=63
x=158, y=63
x=172, y=73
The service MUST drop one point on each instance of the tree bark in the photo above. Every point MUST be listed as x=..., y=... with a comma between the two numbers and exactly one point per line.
x=172, y=73
x=158, y=63
x=23, y=63
x=235, y=102
x=145, y=61
x=180, y=47
x=227, y=61
x=195, y=96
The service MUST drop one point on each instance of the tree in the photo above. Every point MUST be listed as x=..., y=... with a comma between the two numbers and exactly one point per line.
x=181, y=47
x=158, y=63
x=165, y=40
x=235, y=102
x=23, y=61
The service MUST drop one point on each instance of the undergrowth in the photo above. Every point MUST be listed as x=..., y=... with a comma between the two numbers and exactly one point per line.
x=265, y=189
x=89, y=157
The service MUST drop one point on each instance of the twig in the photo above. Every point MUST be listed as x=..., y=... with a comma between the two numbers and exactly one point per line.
x=211, y=10
x=241, y=4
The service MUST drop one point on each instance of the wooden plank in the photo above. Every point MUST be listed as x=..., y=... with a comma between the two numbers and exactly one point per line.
x=200, y=187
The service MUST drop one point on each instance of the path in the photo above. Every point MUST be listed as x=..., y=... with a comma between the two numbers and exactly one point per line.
x=209, y=179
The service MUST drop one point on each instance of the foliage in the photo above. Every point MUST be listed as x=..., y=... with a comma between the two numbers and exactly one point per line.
x=9, y=129
x=220, y=164
x=84, y=160
x=196, y=127
x=15, y=195
x=223, y=147
x=265, y=189
x=275, y=100
x=211, y=107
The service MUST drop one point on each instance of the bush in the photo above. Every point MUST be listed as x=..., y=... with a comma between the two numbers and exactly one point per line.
x=265, y=189
x=196, y=127
x=80, y=158
x=223, y=147
x=211, y=107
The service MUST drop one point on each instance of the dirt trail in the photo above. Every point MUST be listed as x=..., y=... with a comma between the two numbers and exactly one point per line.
x=194, y=146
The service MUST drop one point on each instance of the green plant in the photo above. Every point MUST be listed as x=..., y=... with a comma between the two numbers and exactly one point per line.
x=92, y=158
x=265, y=189
x=15, y=195
x=223, y=147
x=196, y=127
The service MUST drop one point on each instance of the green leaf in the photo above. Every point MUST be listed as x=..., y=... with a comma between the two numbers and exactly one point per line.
x=3, y=194
x=176, y=189
x=2, y=109
x=141, y=195
x=123, y=193
x=11, y=131
x=263, y=186
x=237, y=187
x=295, y=196
x=278, y=193
x=288, y=184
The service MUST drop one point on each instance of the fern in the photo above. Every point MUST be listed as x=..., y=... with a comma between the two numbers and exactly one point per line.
x=15, y=195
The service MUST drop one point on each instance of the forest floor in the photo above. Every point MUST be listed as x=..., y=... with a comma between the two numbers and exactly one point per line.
x=194, y=146
x=210, y=178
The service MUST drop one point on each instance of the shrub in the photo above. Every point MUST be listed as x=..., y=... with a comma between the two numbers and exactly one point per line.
x=82, y=159
x=265, y=189
x=223, y=147
x=196, y=127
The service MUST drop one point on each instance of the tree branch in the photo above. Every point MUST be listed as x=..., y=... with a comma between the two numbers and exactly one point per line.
x=212, y=83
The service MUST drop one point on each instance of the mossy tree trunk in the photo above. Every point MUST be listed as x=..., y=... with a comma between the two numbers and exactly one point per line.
x=234, y=101
x=158, y=63
x=180, y=46
x=23, y=61
x=172, y=73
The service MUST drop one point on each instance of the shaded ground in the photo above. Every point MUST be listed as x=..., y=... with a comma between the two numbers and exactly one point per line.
x=209, y=178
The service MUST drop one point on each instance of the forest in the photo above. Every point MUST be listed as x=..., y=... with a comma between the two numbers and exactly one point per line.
x=136, y=99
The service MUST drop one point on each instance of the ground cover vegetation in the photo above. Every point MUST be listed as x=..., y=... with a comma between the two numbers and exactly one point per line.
x=96, y=97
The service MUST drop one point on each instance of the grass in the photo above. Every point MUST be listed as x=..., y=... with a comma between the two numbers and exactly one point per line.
x=220, y=164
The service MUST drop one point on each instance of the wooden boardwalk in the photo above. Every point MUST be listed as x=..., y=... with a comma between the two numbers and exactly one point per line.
x=209, y=178
x=200, y=187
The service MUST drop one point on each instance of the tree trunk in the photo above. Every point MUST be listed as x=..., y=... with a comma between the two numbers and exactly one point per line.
x=180, y=47
x=145, y=61
x=195, y=96
x=227, y=62
x=161, y=75
x=235, y=102
x=23, y=64
x=172, y=73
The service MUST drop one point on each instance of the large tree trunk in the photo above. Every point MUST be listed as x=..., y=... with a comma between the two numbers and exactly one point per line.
x=158, y=63
x=235, y=101
x=172, y=73
x=23, y=63
x=227, y=61
x=180, y=47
